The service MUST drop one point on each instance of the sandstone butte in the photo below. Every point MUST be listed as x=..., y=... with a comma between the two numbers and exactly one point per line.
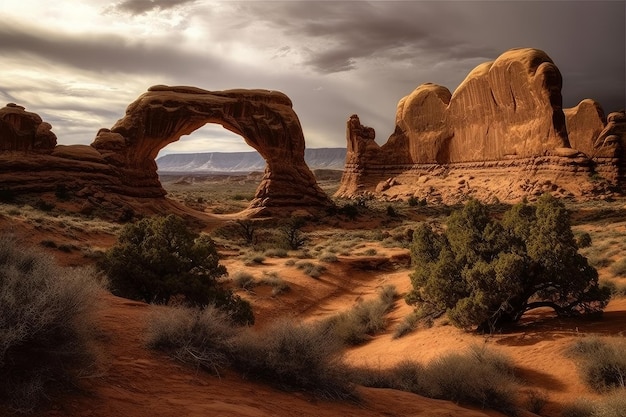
x=501, y=136
x=118, y=170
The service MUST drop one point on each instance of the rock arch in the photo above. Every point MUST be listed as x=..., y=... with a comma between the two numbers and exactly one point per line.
x=264, y=119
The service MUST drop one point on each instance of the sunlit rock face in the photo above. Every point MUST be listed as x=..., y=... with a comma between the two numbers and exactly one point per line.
x=504, y=126
x=121, y=160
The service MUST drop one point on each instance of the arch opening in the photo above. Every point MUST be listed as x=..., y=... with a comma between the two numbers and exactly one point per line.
x=212, y=170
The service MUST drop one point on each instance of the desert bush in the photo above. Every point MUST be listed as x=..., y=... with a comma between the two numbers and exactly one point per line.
x=580, y=408
x=276, y=253
x=617, y=289
x=294, y=357
x=601, y=363
x=311, y=269
x=291, y=356
x=479, y=376
x=293, y=234
x=272, y=279
x=486, y=273
x=364, y=319
x=536, y=400
x=246, y=229
x=618, y=268
x=583, y=240
x=407, y=325
x=611, y=405
x=46, y=324
x=253, y=258
x=243, y=280
x=328, y=257
x=158, y=258
x=193, y=336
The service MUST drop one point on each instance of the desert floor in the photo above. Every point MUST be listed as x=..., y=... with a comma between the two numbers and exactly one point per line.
x=134, y=381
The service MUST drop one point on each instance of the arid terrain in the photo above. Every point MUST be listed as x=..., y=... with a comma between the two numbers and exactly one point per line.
x=342, y=261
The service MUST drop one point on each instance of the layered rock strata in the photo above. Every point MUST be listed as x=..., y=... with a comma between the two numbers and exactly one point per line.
x=501, y=135
x=121, y=160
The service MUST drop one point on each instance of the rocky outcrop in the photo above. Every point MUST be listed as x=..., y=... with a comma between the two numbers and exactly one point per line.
x=23, y=131
x=121, y=160
x=504, y=121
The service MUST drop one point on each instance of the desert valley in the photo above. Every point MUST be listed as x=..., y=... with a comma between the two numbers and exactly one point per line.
x=336, y=284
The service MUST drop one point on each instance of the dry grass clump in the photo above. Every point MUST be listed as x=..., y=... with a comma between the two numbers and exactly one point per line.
x=612, y=405
x=479, y=377
x=46, y=324
x=190, y=335
x=602, y=363
x=291, y=356
x=294, y=357
x=278, y=284
x=243, y=280
x=365, y=319
x=407, y=325
x=311, y=269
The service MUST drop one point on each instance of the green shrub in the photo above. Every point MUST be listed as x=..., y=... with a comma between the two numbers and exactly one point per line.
x=602, y=364
x=486, y=273
x=46, y=324
x=158, y=258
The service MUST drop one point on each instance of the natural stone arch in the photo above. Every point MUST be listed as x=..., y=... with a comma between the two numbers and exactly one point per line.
x=264, y=119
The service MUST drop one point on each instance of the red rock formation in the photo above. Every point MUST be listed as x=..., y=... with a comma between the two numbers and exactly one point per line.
x=24, y=131
x=120, y=161
x=503, y=121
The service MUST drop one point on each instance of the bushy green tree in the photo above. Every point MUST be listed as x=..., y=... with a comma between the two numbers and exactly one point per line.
x=485, y=273
x=158, y=258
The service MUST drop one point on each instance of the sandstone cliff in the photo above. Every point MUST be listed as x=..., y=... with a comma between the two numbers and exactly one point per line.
x=503, y=127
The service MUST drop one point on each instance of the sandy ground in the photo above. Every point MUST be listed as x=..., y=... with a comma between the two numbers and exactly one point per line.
x=134, y=381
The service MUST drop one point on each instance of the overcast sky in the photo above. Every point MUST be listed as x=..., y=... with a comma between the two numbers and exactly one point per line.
x=79, y=63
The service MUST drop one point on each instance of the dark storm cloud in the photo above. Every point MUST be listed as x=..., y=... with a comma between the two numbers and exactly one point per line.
x=136, y=7
x=340, y=34
x=102, y=52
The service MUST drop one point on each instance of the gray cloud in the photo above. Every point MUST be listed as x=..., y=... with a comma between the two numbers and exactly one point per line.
x=102, y=52
x=136, y=7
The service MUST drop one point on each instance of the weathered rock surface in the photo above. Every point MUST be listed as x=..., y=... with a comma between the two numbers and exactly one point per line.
x=24, y=131
x=504, y=127
x=120, y=163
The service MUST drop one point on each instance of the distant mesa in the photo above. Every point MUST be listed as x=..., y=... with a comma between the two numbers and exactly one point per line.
x=118, y=169
x=502, y=135
x=244, y=162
